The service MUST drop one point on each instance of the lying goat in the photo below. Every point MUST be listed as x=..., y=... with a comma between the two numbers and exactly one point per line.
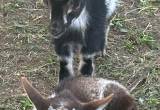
x=82, y=24
x=83, y=93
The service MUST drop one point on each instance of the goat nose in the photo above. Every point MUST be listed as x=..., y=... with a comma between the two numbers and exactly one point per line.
x=56, y=28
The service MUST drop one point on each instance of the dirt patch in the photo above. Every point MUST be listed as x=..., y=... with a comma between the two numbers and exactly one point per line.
x=133, y=52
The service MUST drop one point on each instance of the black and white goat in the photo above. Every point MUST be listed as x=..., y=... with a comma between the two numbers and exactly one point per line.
x=83, y=93
x=82, y=24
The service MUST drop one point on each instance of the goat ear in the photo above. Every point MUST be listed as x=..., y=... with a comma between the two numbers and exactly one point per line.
x=99, y=104
x=38, y=100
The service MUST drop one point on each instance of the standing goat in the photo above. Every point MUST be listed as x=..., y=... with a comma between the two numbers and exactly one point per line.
x=82, y=24
x=82, y=93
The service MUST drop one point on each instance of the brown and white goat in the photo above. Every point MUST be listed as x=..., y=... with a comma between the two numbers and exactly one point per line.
x=82, y=93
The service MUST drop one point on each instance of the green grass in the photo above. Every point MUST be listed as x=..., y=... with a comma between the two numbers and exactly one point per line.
x=136, y=38
x=146, y=39
x=12, y=6
x=25, y=103
x=129, y=46
x=149, y=6
x=119, y=23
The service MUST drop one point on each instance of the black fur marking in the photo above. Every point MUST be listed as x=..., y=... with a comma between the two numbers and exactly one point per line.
x=87, y=67
x=64, y=72
x=91, y=39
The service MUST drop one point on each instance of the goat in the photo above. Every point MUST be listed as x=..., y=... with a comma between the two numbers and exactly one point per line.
x=82, y=93
x=79, y=25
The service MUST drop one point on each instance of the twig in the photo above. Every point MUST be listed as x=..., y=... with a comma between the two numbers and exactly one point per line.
x=146, y=8
x=31, y=9
x=138, y=83
x=149, y=24
x=132, y=11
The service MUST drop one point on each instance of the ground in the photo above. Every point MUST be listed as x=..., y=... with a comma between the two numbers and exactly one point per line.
x=133, y=52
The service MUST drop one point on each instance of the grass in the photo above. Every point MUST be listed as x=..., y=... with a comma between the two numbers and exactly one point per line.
x=150, y=98
x=129, y=46
x=146, y=39
x=25, y=103
x=12, y=6
x=119, y=24
x=149, y=6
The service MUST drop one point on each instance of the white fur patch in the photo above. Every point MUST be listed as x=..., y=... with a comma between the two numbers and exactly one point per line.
x=107, y=33
x=34, y=108
x=62, y=106
x=65, y=19
x=51, y=108
x=102, y=107
x=59, y=108
x=103, y=86
x=52, y=96
x=81, y=22
x=70, y=64
x=103, y=83
x=89, y=56
x=81, y=63
x=111, y=7
x=69, y=61
x=50, y=15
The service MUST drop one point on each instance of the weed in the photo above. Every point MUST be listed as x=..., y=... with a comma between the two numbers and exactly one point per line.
x=129, y=46
x=153, y=101
x=144, y=2
x=25, y=103
x=148, y=6
x=140, y=37
x=12, y=6
x=39, y=3
x=119, y=23
x=146, y=39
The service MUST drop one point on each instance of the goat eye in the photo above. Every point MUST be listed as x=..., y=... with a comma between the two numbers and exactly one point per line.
x=70, y=16
x=76, y=6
